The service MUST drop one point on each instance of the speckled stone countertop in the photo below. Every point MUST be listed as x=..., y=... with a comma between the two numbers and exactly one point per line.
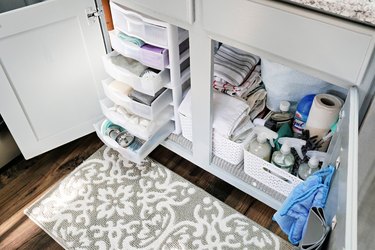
x=356, y=10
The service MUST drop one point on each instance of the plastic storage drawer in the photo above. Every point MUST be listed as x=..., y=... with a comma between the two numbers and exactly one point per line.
x=148, y=86
x=135, y=129
x=153, y=59
x=148, y=112
x=133, y=24
x=147, y=147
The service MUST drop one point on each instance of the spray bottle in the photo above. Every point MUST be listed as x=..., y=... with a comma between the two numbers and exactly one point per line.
x=284, y=159
x=307, y=169
x=260, y=147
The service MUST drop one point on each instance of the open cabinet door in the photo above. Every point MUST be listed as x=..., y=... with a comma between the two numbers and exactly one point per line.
x=50, y=72
x=341, y=208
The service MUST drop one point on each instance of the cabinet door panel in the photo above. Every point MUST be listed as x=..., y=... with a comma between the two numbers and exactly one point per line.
x=50, y=73
x=342, y=199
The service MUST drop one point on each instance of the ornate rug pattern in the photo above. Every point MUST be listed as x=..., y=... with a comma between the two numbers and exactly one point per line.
x=109, y=202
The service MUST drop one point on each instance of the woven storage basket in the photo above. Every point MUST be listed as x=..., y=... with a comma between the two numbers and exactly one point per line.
x=222, y=147
x=268, y=174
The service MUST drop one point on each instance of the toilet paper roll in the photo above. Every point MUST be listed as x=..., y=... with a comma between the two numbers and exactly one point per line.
x=323, y=114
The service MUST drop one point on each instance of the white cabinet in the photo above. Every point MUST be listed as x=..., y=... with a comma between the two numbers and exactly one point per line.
x=51, y=70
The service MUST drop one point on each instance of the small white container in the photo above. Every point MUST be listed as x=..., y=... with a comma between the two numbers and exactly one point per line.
x=146, y=57
x=268, y=174
x=135, y=129
x=147, y=147
x=149, y=86
x=149, y=112
x=222, y=147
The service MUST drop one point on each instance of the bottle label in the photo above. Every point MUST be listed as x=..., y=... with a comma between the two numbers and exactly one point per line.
x=299, y=122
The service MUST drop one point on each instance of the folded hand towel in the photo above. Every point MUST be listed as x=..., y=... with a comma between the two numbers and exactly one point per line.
x=233, y=65
x=228, y=112
x=128, y=64
x=143, y=98
x=313, y=192
x=252, y=82
x=131, y=39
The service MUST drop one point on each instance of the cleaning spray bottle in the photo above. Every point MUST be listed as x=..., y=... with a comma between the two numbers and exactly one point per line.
x=284, y=159
x=260, y=147
x=307, y=169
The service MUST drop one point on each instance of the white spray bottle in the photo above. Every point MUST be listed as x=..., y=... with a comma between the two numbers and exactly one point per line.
x=307, y=169
x=260, y=147
x=284, y=159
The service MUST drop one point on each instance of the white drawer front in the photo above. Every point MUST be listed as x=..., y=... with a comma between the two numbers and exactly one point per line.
x=181, y=10
x=338, y=52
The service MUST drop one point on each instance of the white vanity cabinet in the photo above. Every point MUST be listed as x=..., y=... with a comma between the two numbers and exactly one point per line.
x=51, y=70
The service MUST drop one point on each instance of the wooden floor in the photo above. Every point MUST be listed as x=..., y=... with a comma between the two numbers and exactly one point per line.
x=22, y=182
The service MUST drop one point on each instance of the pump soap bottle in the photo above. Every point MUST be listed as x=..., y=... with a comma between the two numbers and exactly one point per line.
x=307, y=169
x=260, y=147
x=284, y=159
x=284, y=116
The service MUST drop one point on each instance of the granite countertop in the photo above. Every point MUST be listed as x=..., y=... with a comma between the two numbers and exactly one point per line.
x=356, y=10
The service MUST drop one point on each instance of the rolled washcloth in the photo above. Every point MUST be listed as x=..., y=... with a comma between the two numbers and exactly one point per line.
x=229, y=114
x=313, y=192
x=233, y=65
x=136, y=41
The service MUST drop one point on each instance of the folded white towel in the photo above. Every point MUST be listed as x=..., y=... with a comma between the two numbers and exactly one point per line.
x=228, y=112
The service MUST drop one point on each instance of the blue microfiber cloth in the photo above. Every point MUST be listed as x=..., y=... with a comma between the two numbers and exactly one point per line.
x=313, y=192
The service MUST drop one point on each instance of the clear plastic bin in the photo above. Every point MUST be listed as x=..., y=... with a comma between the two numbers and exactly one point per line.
x=149, y=30
x=148, y=146
x=157, y=60
x=135, y=129
x=149, y=86
x=148, y=112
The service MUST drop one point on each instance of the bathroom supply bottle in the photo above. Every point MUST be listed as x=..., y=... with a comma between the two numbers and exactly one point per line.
x=284, y=116
x=260, y=146
x=283, y=158
x=302, y=113
x=307, y=169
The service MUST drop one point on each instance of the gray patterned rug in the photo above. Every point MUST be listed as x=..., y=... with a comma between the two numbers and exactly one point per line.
x=111, y=203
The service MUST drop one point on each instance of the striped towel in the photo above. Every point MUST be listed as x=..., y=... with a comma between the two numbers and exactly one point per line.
x=244, y=89
x=233, y=65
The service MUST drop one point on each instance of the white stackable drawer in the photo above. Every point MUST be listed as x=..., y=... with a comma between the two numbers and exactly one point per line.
x=148, y=146
x=149, y=30
x=182, y=10
x=135, y=129
x=339, y=50
x=148, y=112
x=144, y=85
x=146, y=57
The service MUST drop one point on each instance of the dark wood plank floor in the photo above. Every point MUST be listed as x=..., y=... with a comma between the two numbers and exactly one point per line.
x=22, y=182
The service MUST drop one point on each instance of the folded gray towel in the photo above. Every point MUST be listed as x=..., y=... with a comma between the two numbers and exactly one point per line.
x=143, y=98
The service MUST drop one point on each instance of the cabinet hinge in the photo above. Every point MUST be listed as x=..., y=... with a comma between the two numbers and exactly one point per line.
x=92, y=14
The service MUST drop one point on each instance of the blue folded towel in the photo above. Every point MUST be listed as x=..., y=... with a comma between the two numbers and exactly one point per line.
x=313, y=192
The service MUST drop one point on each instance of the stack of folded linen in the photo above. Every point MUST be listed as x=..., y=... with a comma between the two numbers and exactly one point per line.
x=230, y=115
x=236, y=73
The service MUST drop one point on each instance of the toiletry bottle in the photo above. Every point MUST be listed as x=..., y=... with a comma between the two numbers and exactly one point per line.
x=284, y=116
x=284, y=159
x=307, y=169
x=260, y=146
x=302, y=112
